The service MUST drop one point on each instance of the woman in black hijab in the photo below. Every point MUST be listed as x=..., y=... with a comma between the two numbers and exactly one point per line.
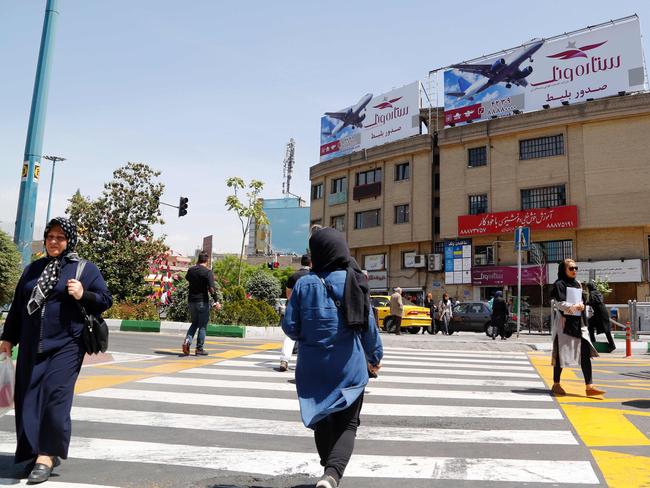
x=599, y=322
x=570, y=348
x=45, y=319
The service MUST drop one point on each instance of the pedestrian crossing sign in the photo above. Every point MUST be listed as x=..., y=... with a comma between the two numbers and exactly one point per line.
x=522, y=238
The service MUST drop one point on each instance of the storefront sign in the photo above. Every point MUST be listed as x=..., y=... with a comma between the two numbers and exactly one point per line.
x=374, y=262
x=458, y=262
x=628, y=271
x=378, y=280
x=507, y=275
x=502, y=222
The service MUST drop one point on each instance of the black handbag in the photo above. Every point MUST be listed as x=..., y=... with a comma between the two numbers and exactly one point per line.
x=94, y=335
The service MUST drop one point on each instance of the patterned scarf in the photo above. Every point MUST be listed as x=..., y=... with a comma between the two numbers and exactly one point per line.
x=50, y=275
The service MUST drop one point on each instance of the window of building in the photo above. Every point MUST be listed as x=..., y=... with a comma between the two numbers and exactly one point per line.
x=338, y=222
x=402, y=171
x=541, y=147
x=477, y=156
x=552, y=251
x=401, y=214
x=548, y=196
x=483, y=255
x=367, y=219
x=339, y=185
x=478, y=204
x=439, y=247
x=317, y=191
x=370, y=176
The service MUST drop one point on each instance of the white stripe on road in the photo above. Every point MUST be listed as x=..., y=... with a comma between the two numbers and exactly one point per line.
x=289, y=405
x=374, y=389
x=389, y=359
x=285, y=428
x=430, y=379
x=464, y=352
x=238, y=363
x=278, y=463
x=52, y=484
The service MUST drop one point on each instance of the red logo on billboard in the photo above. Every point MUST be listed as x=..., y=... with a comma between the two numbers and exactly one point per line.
x=330, y=147
x=501, y=222
x=459, y=115
x=575, y=52
x=387, y=104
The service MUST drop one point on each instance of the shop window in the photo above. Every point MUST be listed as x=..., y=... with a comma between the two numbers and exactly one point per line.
x=548, y=196
x=477, y=156
x=541, y=147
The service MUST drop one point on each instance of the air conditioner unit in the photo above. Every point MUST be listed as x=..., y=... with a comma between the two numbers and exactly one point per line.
x=419, y=261
x=434, y=262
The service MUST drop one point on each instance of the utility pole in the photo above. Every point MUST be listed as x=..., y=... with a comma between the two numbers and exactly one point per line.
x=54, y=160
x=30, y=174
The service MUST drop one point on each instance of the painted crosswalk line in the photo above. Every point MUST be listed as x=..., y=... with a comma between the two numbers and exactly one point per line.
x=276, y=463
x=50, y=484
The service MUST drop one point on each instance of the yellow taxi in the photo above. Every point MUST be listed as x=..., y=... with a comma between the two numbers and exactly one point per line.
x=413, y=318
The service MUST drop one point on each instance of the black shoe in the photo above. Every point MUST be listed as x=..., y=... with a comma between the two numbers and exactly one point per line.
x=41, y=472
x=200, y=352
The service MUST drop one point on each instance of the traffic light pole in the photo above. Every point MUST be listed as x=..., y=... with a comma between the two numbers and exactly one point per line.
x=30, y=174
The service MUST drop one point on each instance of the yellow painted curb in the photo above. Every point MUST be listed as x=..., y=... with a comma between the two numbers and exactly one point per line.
x=623, y=470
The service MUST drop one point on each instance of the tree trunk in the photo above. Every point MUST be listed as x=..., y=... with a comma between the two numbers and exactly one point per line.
x=241, y=258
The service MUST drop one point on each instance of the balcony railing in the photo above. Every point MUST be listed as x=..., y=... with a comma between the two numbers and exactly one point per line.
x=366, y=191
x=337, y=198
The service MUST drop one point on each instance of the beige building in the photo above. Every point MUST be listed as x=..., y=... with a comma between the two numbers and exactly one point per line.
x=577, y=175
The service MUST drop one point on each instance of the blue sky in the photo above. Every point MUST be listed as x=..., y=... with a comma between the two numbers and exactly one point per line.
x=203, y=90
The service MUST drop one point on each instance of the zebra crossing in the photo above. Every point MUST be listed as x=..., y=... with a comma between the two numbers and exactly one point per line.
x=433, y=418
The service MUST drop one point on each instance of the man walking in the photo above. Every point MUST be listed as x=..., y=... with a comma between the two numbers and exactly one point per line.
x=201, y=281
x=499, y=316
x=288, y=344
x=397, y=310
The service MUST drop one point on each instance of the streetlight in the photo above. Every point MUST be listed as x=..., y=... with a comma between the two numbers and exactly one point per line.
x=54, y=160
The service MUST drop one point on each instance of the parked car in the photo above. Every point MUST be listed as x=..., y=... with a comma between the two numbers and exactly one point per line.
x=474, y=317
x=413, y=319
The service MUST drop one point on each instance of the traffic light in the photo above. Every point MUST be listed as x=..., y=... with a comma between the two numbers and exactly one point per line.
x=182, y=206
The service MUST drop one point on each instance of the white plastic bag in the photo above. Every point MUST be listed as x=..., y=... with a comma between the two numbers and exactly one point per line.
x=7, y=378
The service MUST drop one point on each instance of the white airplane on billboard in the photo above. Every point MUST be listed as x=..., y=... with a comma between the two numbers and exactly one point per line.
x=352, y=116
x=498, y=72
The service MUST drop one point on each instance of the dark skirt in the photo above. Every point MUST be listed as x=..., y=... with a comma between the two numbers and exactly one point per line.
x=43, y=398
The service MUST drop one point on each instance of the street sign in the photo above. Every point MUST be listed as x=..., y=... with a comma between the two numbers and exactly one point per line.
x=522, y=238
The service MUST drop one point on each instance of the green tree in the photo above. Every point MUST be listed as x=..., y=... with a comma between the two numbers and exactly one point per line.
x=9, y=268
x=262, y=285
x=116, y=229
x=226, y=271
x=283, y=275
x=248, y=210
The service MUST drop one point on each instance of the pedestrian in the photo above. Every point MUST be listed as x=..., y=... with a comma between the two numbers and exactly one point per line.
x=397, y=310
x=599, y=322
x=45, y=319
x=288, y=344
x=445, y=311
x=430, y=304
x=329, y=316
x=201, y=280
x=499, y=316
x=570, y=347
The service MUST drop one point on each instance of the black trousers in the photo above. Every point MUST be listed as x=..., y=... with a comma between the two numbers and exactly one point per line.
x=334, y=436
x=397, y=320
x=585, y=363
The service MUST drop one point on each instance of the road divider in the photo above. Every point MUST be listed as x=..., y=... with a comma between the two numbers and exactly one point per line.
x=213, y=330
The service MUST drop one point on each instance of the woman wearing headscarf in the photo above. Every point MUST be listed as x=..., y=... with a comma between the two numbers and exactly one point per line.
x=445, y=307
x=431, y=305
x=329, y=316
x=47, y=323
x=570, y=347
x=599, y=321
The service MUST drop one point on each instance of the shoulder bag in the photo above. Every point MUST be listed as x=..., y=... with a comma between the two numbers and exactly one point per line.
x=94, y=335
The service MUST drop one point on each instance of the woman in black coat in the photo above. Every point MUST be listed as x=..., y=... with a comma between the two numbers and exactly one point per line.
x=45, y=319
x=599, y=321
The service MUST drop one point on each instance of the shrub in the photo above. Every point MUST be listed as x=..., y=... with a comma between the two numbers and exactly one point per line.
x=262, y=285
x=230, y=313
x=251, y=314
x=10, y=269
x=132, y=311
x=268, y=312
x=234, y=293
x=177, y=309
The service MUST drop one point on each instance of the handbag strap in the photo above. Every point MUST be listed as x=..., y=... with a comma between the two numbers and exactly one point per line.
x=81, y=264
x=330, y=292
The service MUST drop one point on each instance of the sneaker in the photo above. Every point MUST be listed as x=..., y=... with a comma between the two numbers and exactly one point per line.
x=186, y=348
x=284, y=366
x=557, y=390
x=200, y=352
x=326, y=482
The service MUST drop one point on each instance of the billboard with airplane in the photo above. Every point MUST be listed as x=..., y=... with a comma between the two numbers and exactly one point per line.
x=371, y=121
x=584, y=65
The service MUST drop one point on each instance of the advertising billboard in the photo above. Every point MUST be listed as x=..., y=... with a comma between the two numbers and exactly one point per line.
x=371, y=121
x=458, y=262
x=507, y=275
x=584, y=65
x=564, y=217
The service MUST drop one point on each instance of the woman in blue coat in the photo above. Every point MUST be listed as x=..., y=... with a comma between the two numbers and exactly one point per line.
x=46, y=321
x=329, y=316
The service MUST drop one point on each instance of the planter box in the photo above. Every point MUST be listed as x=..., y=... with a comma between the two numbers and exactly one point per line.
x=140, y=326
x=218, y=330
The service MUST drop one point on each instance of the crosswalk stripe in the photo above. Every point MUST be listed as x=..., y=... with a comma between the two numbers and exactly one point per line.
x=375, y=389
x=265, y=403
x=440, y=368
x=276, y=463
x=390, y=359
x=456, y=352
x=431, y=379
x=244, y=425
x=50, y=484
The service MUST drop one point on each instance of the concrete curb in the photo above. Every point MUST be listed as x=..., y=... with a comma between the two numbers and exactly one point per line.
x=180, y=328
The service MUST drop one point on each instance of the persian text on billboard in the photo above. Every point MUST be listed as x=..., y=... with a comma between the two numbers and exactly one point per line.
x=371, y=122
x=581, y=66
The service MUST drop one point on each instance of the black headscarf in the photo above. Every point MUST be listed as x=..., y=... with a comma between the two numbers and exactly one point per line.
x=330, y=252
x=50, y=275
x=594, y=295
x=572, y=322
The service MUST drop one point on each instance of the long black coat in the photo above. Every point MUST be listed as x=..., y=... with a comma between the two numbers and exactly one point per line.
x=600, y=319
x=50, y=356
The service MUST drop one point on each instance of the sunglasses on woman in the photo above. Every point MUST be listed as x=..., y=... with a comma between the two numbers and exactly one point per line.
x=573, y=268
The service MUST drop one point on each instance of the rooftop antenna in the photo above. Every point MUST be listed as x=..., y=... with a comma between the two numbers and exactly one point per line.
x=287, y=170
